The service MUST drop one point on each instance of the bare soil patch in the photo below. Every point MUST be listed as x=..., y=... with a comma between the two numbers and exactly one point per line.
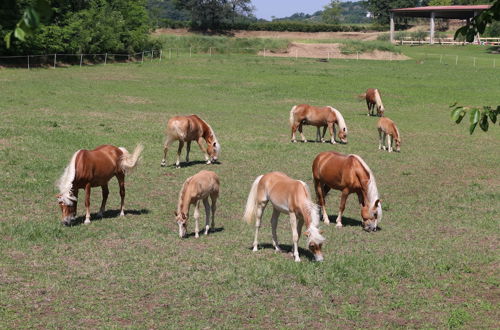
x=296, y=49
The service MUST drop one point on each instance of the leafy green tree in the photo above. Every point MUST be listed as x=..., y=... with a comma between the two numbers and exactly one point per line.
x=440, y=3
x=332, y=12
x=380, y=8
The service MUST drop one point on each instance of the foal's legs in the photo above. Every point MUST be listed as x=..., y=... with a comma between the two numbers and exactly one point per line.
x=179, y=150
x=324, y=132
x=295, y=236
x=302, y=134
x=200, y=144
x=343, y=199
x=213, y=197
x=105, y=193
x=318, y=134
x=369, y=106
x=207, y=215
x=166, y=145
x=379, y=139
x=87, y=203
x=121, y=183
x=294, y=129
x=196, y=216
x=188, y=148
x=389, y=146
x=274, y=225
x=331, y=127
x=384, y=139
x=258, y=217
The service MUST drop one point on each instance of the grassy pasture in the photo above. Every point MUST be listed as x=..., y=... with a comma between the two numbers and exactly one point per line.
x=433, y=264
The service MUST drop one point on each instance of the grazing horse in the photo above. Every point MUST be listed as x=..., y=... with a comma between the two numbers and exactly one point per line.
x=198, y=187
x=187, y=129
x=349, y=174
x=93, y=168
x=373, y=101
x=304, y=114
x=288, y=196
x=390, y=133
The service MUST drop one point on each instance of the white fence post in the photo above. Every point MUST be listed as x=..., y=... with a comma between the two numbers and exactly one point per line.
x=190, y=55
x=81, y=60
x=142, y=58
x=357, y=56
x=28, y=62
x=264, y=52
x=474, y=61
x=441, y=59
x=210, y=51
x=105, y=58
x=170, y=53
x=161, y=53
x=55, y=58
x=456, y=60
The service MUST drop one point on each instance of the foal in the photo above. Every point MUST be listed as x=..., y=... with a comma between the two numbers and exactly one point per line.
x=390, y=133
x=198, y=187
x=188, y=129
x=373, y=101
x=287, y=196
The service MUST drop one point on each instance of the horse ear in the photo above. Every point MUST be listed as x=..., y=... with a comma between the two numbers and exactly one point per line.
x=377, y=202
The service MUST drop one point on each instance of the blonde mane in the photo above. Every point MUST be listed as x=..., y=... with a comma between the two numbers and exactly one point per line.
x=372, y=193
x=340, y=119
x=217, y=144
x=378, y=100
x=65, y=182
x=313, y=209
x=181, y=194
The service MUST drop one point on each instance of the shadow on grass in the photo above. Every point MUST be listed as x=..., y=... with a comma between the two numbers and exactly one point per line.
x=202, y=232
x=193, y=163
x=109, y=214
x=285, y=248
x=347, y=222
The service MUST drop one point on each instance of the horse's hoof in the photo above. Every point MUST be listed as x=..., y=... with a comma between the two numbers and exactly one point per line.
x=297, y=259
x=87, y=221
x=208, y=162
x=163, y=164
x=304, y=141
x=294, y=141
x=177, y=166
x=327, y=222
x=122, y=214
x=255, y=249
x=338, y=225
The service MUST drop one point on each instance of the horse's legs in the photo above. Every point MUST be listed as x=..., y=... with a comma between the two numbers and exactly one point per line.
x=320, y=194
x=318, y=134
x=274, y=225
x=379, y=139
x=295, y=236
x=343, y=199
x=294, y=129
x=302, y=134
x=368, y=105
x=384, y=139
x=87, y=203
x=207, y=215
x=179, y=150
x=324, y=132
x=389, y=147
x=105, y=193
x=196, y=216
x=188, y=148
x=121, y=183
x=200, y=144
x=166, y=145
x=331, y=128
x=213, y=197
x=258, y=217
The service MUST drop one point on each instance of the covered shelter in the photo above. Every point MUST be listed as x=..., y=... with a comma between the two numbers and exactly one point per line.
x=432, y=12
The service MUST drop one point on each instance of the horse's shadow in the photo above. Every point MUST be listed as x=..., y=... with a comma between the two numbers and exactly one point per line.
x=326, y=142
x=285, y=248
x=108, y=214
x=347, y=222
x=194, y=163
x=202, y=232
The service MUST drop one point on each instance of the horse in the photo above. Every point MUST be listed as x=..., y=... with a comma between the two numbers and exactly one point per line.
x=288, y=196
x=93, y=168
x=198, y=187
x=304, y=114
x=349, y=174
x=373, y=101
x=390, y=133
x=187, y=129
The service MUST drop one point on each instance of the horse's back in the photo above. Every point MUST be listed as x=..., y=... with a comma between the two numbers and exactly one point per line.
x=387, y=125
x=332, y=168
x=206, y=182
x=314, y=115
x=97, y=166
x=370, y=94
x=185, y=128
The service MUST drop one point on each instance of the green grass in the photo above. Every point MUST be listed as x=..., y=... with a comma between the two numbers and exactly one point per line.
x=434, y=264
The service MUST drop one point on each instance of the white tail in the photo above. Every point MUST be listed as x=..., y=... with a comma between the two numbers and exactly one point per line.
x=129, y=161
x=251, y=206
x=292, y=115
x=340, y=120
x=378, y=101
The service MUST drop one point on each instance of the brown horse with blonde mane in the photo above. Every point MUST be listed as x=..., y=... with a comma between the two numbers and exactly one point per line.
x=198, y=187
x=304, y=114
x=93, y=168
x=186, y=129
x=374, y=101
x=349, y=174
x=287, y=196
x=387, y=133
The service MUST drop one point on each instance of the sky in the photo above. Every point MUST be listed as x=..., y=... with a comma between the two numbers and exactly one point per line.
x=282, y=8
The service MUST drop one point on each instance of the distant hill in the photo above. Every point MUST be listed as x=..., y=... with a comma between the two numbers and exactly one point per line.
x=352, y=12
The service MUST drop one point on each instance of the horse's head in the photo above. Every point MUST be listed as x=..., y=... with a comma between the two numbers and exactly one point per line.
x=315, y=245
x=398, y=144
x=181, y=219
x=371, y=215
x=68, y=207
x=380, y=111
x=343, y=135
x=213, y=150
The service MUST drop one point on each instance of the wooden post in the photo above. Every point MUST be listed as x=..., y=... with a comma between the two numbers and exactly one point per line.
x=328, y=55
x=431, y=39
x=81, y=60
x=392, y=28
x=161, y=53
x=142, y=58
x=210, y=50
x=456, y=60
x=55, y=58
x=28, y=62
x=357, y=56
x=170, y=53
x=441, y=58
x=105, y=58
x=474, y=61
x=190, y=52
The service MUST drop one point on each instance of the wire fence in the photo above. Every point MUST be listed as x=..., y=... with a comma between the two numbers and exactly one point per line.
x=65, y=60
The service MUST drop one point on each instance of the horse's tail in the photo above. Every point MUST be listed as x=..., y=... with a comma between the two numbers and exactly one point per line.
x=251, y=206
x=128, y=160
x=378, y=101
x=292, y=115
x=361, y=97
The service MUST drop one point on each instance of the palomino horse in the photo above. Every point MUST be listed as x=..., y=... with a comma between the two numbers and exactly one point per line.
x=187, y=129
x=93, y=168
x=198, y=187
x=304, y=114
x=288, y=196
x=349, y=174
x=373, y=101
x=390, y=133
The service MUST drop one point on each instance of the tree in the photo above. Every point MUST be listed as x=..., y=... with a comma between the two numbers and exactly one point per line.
x=380, y=8
x=478, y=24
x=332, y=12
x=440, y=3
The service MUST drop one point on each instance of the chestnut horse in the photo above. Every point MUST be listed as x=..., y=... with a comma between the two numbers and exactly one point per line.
x=187, y=129
x=198, y=187
x=349, y=174
x=287, y=196
x=93, y=168
x=390, y=133
x=304, y=114
x=373, y=101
